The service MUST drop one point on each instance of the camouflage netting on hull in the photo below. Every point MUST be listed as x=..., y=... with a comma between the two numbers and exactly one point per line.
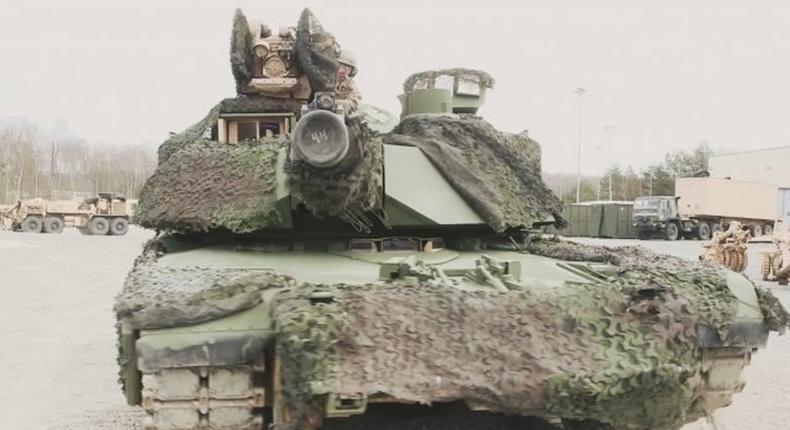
x=606, y=350
x=497, y=173
x=594, y=354
x=158, y=296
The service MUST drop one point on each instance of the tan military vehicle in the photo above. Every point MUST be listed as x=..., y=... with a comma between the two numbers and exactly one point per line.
x=104, y=214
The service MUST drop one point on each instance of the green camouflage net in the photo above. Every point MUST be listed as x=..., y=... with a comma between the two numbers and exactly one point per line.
x=776, y=316
x=241, y=61
x=579, y=354
x=484, y=79
x=618, y=348
x=208, y=185
x=497, y=173
x=705, y=285
x=160, y=296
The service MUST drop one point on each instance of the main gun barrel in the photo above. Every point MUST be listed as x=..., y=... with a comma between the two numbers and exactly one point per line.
x=320, y=139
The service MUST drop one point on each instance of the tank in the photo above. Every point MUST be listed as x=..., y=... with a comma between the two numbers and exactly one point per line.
x=311, y=273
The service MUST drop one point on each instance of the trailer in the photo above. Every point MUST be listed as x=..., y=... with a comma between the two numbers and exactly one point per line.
x=104, y=214
x=702, y=206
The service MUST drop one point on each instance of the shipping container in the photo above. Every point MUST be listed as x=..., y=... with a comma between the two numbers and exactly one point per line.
x=725, y=198
x=599, y=219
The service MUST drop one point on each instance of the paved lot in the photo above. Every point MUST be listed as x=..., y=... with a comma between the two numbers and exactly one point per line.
x=57, y=340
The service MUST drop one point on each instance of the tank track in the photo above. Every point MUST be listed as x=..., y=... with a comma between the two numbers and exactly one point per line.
x=235, y=398
x=197, y=398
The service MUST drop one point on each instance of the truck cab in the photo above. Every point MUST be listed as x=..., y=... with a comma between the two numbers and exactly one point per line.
x=657, y=215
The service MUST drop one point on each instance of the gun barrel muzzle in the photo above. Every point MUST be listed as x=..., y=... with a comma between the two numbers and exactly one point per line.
x=320, y=138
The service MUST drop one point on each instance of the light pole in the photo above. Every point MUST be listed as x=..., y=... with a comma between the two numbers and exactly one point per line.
x=608, y=129
x=579, y=92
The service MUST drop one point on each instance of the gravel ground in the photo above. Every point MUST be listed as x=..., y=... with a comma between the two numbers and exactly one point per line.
x=57, y=338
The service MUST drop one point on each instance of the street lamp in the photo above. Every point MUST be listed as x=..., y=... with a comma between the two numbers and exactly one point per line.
x=579, y=92
x=608, y=129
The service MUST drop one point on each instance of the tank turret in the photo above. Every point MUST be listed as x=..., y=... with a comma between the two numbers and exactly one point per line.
x=310, y=273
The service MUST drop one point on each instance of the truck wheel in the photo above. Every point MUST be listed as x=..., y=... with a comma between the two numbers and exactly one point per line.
x=98, y=226
x=703, y=231
x=53, y=225
x=119, y=226
x=32, y=224
x=672, y=232
x=768, y=230
x=756, y=230
x=714, y=228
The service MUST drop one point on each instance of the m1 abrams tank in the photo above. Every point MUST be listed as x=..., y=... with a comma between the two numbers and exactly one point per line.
x=311, y=274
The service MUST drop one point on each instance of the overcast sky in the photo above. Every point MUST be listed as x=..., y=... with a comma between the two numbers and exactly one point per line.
x=666, y=74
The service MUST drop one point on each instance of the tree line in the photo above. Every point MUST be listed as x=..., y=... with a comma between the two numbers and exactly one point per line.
x=627, y=183
x=34, y=163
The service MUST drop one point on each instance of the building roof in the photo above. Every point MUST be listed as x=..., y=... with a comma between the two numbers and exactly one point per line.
x=775, y=148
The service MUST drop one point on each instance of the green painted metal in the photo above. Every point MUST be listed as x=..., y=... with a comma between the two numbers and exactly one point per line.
x=616, y=222
x=600, y=219
x=130, y=376
x=427, y=100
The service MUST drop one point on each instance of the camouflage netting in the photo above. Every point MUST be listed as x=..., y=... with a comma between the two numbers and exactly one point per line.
x=596, y=352
x=345, y=192
x=200, y=132
x=157, y=296
x=209, y=185
x=604, y=350
x=201, y=184
x=705, y=285
x=241, y=61
x=776, y=316
x=316, y=52
x=483, y=78
x=497, y=173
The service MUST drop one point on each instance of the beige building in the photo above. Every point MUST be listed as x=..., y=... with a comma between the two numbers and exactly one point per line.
x=768, y=166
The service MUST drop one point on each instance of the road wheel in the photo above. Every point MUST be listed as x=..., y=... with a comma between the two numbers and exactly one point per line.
x=716, y=227
x=672, y=232
x=32, y=224
x=768, y=230
x=53, y=225
x=756, y=230
x=98, y=226
x=119, y=226
x=703, y=231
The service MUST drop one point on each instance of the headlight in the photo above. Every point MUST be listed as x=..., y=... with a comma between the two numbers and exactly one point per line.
x=275, y=68
x=260, y=51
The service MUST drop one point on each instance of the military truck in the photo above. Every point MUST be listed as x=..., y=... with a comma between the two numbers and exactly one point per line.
x=103, y=214
x=703, y=206
x=320, y=275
